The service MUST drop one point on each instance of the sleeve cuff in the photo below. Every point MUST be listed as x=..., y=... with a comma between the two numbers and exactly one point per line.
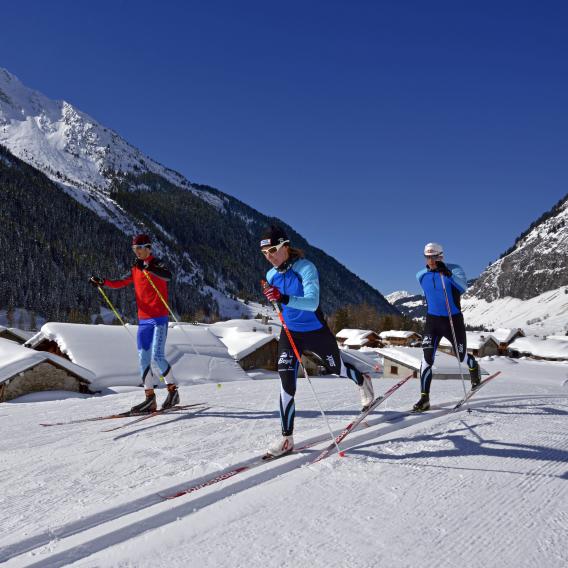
x=284, y=299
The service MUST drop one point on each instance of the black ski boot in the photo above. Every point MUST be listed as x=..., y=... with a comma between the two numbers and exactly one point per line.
x=149, y=405
x=173, y=397
x=475, y=376
x=423, y=404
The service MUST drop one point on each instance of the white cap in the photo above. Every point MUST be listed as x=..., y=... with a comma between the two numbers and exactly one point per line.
x=433, y=249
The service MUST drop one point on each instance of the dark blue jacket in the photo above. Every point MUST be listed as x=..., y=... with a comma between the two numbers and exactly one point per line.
x=431, y=283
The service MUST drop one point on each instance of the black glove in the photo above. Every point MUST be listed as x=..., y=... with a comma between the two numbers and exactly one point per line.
x=138, y=263
x=443, y=269
x=96, y=281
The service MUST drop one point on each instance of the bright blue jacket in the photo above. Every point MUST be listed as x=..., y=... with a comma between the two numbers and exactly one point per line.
x=301, y=284
x=431, y=283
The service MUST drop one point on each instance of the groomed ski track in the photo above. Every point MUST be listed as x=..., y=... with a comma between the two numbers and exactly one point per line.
x=441, y=448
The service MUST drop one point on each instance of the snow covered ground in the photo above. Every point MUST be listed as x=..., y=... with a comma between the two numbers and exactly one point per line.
x=489, y=488
x=546, y=314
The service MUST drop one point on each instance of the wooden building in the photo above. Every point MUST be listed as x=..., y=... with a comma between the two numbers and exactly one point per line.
x=23, y=371
x=401, y=338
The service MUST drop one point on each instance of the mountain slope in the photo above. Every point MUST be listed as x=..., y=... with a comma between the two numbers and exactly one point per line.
x=210, y=238
x=51, y=245
x=411, y=305
x=535, y=264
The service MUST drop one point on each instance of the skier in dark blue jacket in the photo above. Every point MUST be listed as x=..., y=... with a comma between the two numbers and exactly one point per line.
x=293, y=282
x=437, y=317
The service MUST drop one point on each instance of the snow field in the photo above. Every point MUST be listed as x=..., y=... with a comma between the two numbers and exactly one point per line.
x=487, y=488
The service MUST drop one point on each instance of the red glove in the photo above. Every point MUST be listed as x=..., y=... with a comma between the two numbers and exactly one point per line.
x=272, y=294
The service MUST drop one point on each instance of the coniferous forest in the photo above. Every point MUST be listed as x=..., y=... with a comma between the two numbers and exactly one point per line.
x=51, y=244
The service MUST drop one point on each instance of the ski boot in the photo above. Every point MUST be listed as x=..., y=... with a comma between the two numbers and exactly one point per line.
x=367, y=392
x=173, y=397
x=475, y=376
x=284, y=445
x=149, y=405
x=423, y=404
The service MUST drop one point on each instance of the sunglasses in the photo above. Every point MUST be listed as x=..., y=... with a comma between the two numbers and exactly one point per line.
x=274, y=249
x=139, y=247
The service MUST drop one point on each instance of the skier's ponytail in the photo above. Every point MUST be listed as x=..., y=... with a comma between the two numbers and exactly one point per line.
x=295, y=253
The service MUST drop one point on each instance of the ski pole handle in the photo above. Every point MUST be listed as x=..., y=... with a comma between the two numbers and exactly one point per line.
x=277, y=309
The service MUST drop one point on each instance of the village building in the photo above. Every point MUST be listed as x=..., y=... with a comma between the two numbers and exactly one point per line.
x=479, y=344
x=253, y=344
x=401, y=338
x=110, y=352
x=357, y=338
x=540, y=349
x=401, y=361
x=505, y=336
x=24, y=371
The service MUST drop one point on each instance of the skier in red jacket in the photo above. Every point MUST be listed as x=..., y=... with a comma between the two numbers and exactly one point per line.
x=152, y=319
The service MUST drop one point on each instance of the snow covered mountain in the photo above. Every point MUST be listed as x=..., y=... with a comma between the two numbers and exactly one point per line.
x=535, y=264
x=528, y=286
x=101, y=171
x=410, y=305
x=73, y=149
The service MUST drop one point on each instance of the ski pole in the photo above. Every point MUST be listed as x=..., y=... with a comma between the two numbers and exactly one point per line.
x=111, y=306
x=169, y=309
x=294, y=348
x=454, y=336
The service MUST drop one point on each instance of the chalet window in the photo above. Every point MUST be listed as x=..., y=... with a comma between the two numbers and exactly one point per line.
x=394, y=370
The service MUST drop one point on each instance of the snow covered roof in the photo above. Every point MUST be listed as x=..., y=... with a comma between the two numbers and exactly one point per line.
x=15, y=359
x=412, y=356
x=355, y=337
x=558, y=337
x=398, y=334
x=504, y=335
x=194, y=352
x=243, y=337
x=475, y=339
x=23, y=335
x=543, y=348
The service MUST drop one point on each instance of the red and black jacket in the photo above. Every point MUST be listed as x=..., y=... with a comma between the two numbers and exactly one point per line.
x=149, y=303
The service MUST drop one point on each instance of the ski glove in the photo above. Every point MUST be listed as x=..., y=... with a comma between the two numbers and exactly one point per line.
x=96, y=281
x=274, y=295
x=443, y=269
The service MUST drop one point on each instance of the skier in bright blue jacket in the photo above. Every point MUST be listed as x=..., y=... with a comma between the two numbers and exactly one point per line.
x=293, y=282
x=438, y=317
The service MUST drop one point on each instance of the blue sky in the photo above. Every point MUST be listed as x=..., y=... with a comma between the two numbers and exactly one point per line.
x=372, y=127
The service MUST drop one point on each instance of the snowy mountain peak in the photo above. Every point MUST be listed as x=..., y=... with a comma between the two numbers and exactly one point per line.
x=398, y=295
x=68, y=145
